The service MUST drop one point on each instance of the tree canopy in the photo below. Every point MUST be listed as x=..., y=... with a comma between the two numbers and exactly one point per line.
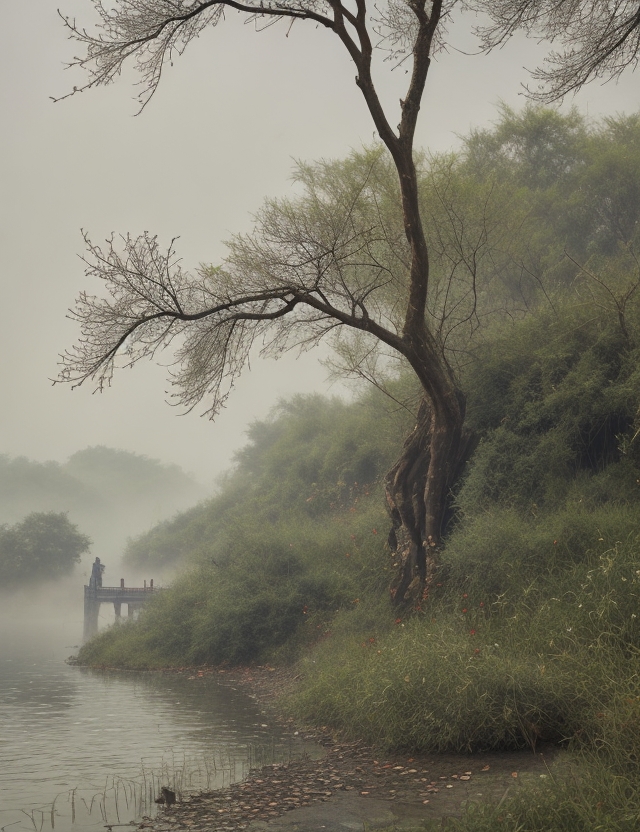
x=43, y=546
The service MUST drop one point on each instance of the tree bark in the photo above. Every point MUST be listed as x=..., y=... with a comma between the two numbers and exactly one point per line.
x=418, y=488
x=419, y=496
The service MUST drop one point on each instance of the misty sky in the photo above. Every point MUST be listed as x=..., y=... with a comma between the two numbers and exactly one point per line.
x=216, y=139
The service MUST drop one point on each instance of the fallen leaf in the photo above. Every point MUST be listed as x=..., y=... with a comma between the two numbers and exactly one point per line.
x=514, y=773
x=485, y=768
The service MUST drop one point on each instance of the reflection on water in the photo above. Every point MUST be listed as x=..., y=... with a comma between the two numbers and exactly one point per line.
x=101, y=744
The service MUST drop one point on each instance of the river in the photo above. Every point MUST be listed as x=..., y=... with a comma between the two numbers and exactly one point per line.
x=81, y=748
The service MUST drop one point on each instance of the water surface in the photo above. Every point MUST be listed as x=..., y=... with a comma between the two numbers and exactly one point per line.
x=80, y=748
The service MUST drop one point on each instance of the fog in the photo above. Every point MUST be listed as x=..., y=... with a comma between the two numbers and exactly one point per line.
x=44, y=622
x=218, y=137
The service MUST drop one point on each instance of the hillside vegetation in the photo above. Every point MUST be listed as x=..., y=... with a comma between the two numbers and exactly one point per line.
x=530, y=632
x=296, y=533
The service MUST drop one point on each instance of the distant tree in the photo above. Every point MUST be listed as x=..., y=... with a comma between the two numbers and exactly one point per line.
x=44, y=545
x=27, y=486
x=580, y=182
x=127, y=478
x=297, y=280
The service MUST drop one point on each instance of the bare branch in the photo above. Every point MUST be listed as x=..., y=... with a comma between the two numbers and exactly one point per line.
x=155, y=31
x=287, y=285
x=599, y=38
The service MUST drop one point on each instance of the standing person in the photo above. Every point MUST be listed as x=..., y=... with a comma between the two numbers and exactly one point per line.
x=96, y=574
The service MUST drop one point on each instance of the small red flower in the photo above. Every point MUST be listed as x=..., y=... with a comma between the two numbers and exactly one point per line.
x=482, y=603
x=464, y=610
x=465, y=595
x=472, y=632
x=398, y=621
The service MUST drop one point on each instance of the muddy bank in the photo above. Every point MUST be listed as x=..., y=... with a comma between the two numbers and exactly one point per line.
x=349, y=786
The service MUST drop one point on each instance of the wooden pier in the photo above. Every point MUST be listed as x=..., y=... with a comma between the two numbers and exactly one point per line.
x=133, y=597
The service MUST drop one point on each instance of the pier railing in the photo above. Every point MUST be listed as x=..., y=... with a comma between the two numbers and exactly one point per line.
x=133, y=596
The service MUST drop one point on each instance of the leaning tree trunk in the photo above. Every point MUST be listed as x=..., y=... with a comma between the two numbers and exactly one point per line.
x=418, y=491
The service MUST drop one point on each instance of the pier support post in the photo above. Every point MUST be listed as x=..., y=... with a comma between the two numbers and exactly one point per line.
x=91, y=612
x=96, y=594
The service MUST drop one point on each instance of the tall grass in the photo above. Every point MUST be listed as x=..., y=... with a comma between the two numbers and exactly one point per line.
x=588, y=796
x=500, y=657
x=531, y=638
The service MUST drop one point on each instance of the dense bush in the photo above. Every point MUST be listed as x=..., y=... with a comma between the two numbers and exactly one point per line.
x=42, y=546
x=555, y=398
x=313, y=458
x=290, y=539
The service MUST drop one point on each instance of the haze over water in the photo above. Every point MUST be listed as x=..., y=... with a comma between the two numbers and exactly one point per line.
x=83, y=738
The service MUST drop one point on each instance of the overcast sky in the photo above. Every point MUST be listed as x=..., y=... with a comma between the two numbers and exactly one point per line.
x=216, y=139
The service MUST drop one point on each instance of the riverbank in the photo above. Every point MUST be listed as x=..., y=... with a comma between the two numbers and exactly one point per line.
x=350, y=786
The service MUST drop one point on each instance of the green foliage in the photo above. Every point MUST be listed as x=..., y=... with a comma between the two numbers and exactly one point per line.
x=172, y=540
x=582, y=794
x=42, y=546
x=537, y=146
x=493, y=664
x=295, y=534
x=27, y=486
x=313, y=458
x=575, y=185
x=264, y=587
x=555, y=398
x=121, y=475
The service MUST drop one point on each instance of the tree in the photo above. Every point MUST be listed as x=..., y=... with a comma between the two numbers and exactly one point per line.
x=44, y=545
x=299, y=277
x=601, y=38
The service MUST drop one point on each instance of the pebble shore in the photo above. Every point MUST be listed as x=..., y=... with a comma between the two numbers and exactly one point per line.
x=351, y=778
